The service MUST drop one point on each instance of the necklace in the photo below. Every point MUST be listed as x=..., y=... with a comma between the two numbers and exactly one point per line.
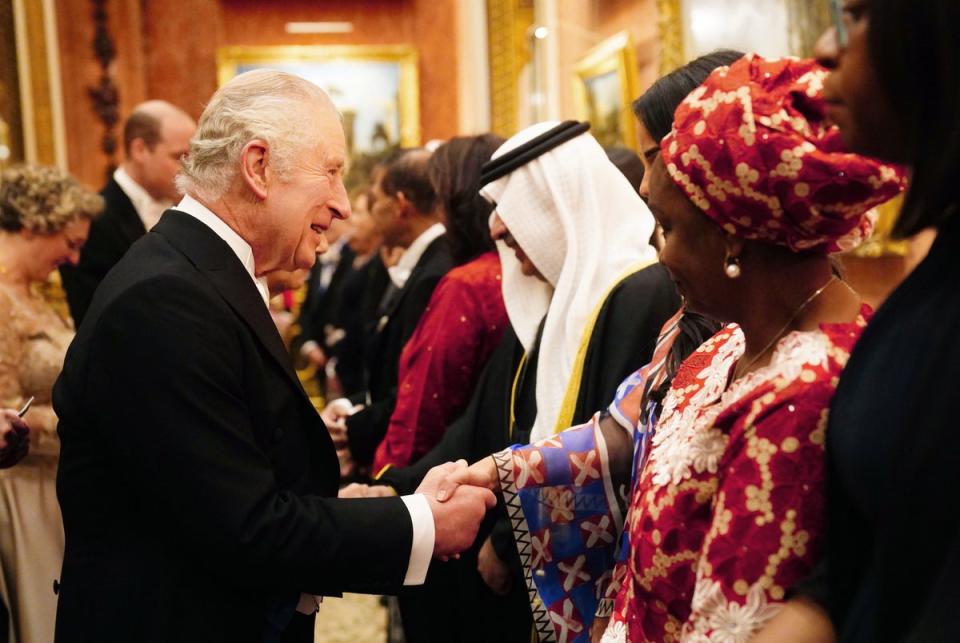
x=746, y=367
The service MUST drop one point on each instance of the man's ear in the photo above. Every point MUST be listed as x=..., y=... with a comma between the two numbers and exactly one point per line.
x=255, y=167
x=138, y=149
x=406, y=209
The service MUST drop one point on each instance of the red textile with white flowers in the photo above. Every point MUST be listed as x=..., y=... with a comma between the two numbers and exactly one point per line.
x=728, y=512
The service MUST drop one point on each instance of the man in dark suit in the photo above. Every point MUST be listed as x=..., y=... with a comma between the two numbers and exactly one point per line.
x=323, y=300
x=155, y=138
x=196, y=481
x=403, y=206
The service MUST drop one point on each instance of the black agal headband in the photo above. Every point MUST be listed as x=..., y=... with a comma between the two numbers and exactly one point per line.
x=504, y=165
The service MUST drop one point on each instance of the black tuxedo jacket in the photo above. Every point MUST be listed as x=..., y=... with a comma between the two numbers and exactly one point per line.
x=399, y=315
x=111, y=235
x=320, y=308
x=195, y=476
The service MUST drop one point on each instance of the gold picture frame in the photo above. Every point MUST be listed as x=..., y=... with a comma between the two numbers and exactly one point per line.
x=376, y=88
x=31, y=123
x=605, y=85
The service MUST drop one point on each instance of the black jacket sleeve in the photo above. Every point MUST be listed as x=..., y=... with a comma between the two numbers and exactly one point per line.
x=185, y=431
x=481, y=429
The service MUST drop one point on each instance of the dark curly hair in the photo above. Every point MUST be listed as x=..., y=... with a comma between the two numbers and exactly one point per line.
x=454, y=170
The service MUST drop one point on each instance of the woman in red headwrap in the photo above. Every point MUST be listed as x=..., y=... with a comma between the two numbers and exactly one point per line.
x=754, y=191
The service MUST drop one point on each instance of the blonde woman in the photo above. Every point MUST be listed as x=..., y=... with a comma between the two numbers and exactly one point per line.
x=44, y=221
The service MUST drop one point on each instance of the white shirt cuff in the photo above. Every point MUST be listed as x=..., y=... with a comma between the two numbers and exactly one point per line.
x=421, y=549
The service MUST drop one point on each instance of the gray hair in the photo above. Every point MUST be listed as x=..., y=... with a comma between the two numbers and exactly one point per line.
x=264, y=104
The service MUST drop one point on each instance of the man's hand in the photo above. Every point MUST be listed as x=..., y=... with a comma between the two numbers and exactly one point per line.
x=482, y=473
x=315, y=356
x=14, y=438
x=495, y=573
x=358, y=490
x=335, y=415
x=347, y=465
x=457, y=519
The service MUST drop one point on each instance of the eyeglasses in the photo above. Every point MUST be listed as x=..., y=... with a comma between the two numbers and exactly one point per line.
x=854, y=9
x=836, y=9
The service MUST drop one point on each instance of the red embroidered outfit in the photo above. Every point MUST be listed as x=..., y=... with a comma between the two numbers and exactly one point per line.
x=442, y=360
x=729, y=511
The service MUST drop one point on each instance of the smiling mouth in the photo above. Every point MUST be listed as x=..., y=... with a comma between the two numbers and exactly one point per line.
x=316, y=228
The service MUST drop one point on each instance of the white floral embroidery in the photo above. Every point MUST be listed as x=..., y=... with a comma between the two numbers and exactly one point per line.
x=616, y=632
x=686, y=440
x=718, y=620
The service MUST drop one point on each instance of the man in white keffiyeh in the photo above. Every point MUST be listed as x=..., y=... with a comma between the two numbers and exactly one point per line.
x=574, y=218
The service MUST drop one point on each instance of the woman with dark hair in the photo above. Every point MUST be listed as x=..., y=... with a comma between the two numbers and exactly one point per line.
x=454, y=170
x=654, y=109
x=464, y=320
x=892, y=560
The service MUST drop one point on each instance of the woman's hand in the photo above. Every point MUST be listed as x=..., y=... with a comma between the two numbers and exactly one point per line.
x=598, y=628
x=800, y=620
x=495, y=573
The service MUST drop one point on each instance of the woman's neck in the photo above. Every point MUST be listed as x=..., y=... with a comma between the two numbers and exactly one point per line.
x=14, y=262
x=797, y=295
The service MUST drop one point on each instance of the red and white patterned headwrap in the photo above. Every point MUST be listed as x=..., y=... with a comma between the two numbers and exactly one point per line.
x=751, y=147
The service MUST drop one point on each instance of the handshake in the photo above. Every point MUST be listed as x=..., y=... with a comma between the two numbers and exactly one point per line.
x=459, y=497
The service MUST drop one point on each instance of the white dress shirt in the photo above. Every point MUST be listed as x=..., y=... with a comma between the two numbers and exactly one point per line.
x=148, y=209
x=421, y=550
x=408, y=260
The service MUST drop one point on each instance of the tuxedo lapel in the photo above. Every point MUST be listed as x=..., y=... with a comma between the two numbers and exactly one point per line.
x=219, y=264
x=127, y=220
x=392, y=300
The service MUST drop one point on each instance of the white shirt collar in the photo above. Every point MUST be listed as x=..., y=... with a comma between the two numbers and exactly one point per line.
x=148, y=209
x=408, y=260
x=240, y=247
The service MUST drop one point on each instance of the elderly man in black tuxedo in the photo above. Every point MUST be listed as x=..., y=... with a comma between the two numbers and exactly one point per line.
x=196, y=480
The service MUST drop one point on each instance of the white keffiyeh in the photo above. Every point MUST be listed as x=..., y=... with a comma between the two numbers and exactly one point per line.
x=582, y=225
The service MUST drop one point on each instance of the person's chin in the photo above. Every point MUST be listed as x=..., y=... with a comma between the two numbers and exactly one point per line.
x=305, y=260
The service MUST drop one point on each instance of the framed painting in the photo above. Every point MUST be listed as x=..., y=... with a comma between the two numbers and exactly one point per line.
x=375, y=88
x=690, y=28
x=605, y=84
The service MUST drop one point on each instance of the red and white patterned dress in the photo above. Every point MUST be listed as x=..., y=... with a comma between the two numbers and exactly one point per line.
x=728, y=512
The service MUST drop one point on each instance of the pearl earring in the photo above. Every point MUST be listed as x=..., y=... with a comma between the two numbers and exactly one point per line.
x=732, y=267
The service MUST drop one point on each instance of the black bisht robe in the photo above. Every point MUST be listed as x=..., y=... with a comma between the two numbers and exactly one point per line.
x=455, y=604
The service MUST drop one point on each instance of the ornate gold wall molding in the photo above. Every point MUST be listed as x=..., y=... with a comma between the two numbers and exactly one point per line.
x=39, y=77
x=104, y=96
x=508, y=26
x=11, y=139
x=672, y=53
x=808, y=19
